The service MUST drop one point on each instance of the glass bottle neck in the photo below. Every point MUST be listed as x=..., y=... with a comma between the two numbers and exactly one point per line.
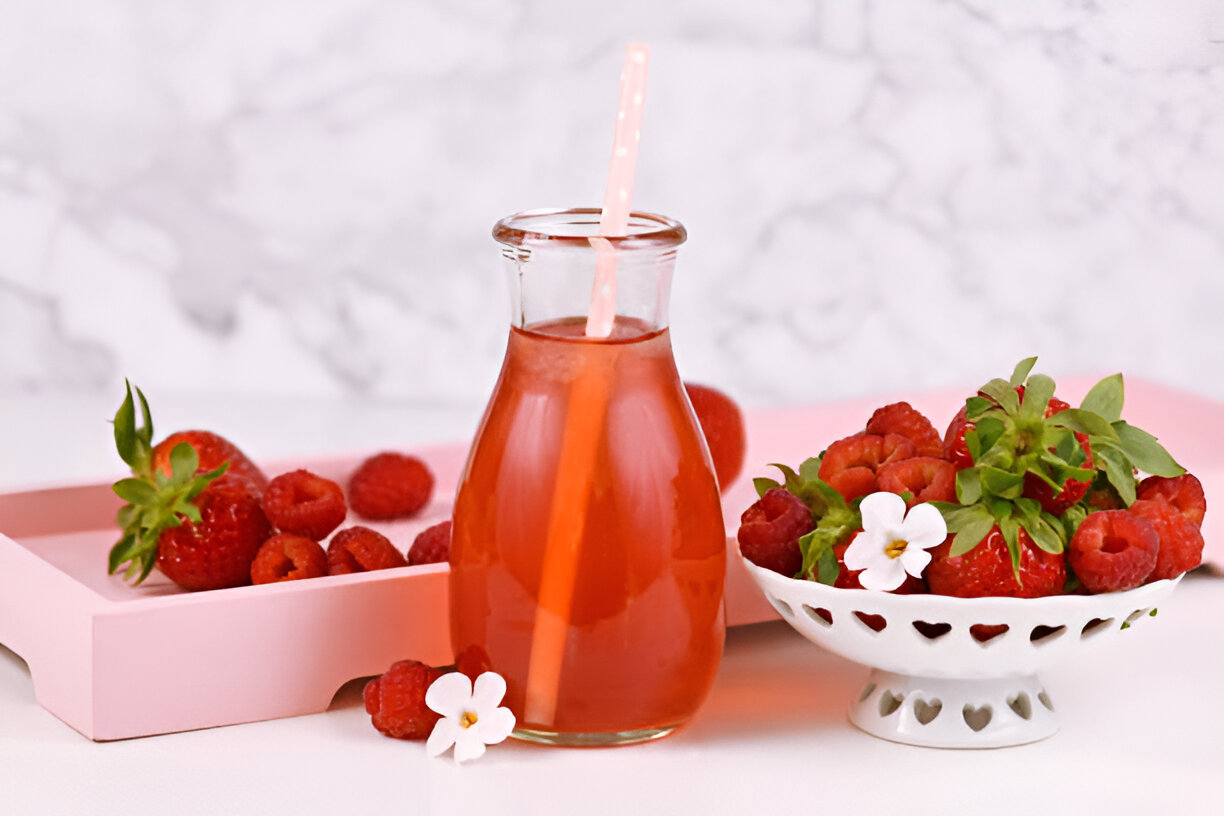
x=551, y=264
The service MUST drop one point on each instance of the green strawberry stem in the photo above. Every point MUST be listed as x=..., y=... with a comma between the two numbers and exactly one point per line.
x=1011, y=438
x=155, y=502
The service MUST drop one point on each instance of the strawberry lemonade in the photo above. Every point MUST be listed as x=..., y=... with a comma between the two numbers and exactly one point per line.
x=644, y=627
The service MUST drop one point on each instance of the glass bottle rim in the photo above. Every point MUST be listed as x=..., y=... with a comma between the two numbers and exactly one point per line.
x=574, y=227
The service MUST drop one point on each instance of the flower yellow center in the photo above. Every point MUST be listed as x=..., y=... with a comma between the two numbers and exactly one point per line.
x=897, y=547
x=468, y=719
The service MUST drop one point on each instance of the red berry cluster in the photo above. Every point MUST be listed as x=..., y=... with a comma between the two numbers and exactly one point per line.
x=308, y=508
x=205, y=514
x=1039, y=497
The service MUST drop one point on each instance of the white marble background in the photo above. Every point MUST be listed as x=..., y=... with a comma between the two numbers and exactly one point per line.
x=294, y=198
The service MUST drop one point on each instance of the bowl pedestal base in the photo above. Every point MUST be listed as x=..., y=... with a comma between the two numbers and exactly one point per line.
x=942, y=712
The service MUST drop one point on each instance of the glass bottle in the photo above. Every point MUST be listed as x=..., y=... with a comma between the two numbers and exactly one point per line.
x=588, y=548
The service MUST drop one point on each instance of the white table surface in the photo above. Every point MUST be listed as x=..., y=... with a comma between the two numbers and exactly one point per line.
x=1142, y=721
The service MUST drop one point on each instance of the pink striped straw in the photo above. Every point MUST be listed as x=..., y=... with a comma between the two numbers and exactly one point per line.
x=618, y=192
x=584, y=419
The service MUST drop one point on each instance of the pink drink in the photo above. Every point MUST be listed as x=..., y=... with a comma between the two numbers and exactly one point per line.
x=644, y=624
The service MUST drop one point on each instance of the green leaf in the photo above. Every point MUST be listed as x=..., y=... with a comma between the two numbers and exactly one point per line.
x=1105, y=398
x=792, y=482
x=1044, y=534
x=810, y=469
x=187, y=509
x=135, y=491
x=183, y=463
x=968, y=485
x=976, y=406
x=972, y=533
x=1072, y=518
x=1011, y=537
x=1001, y=483
x=988, y=430
x=826, y=568
x=147, y=429
x=203, y=480
x=1085, y=422
x=125, y=429
x=819, y=562
x=1021, y=372
x=999, y=508
x=1118, y=470
x=1055, y=472
x=1063, y=443
x=973, y=444
x=1145, y=452
x=764, y=485
x=1037, y=396
x=121, y=553
x=1004, y=394
x=126, y=515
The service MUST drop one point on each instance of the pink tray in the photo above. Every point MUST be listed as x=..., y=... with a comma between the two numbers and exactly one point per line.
x=114, y=661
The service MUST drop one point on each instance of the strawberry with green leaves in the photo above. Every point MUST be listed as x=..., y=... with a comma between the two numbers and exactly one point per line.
x=1029, y=463
x=201, y=527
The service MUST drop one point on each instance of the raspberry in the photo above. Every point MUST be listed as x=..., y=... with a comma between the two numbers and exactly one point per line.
x=901, y=418
x=925, y=478
x=1181, y=543
x=849, y=465
x=986, y=570
x=303, y=503
x=1184, y=492
x=390, y=486
x=1113, y=550
x=431, y=546
x=288, y=557
x=723, y=426
x=360, y=549
x=770, y=530
x=395, y=701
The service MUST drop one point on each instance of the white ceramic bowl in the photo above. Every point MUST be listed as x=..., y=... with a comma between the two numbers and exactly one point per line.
x=938, y=679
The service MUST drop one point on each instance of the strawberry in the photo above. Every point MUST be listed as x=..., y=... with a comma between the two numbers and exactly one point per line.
x=213, y=451
x=1014, y=434
x=1015, y=439
x=202, y=529
x=987, y=569
x=849, y=466
x=215, y=552
x=722, y=423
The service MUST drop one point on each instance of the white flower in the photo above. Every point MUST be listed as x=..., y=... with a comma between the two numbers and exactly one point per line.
x=893, y=543
x=471, y=718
